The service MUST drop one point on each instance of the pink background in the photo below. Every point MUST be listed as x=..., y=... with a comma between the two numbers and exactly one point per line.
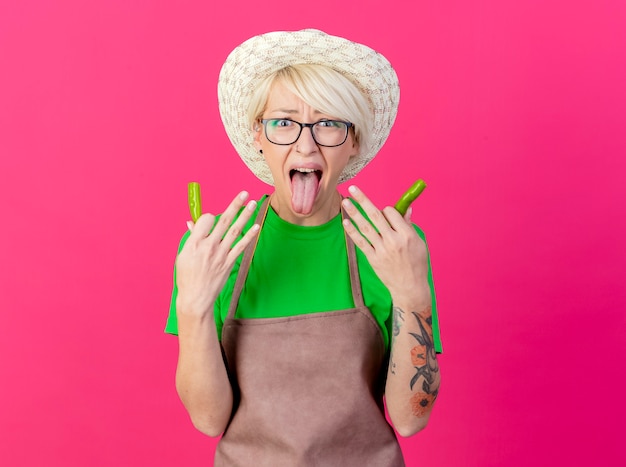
x=513, y=112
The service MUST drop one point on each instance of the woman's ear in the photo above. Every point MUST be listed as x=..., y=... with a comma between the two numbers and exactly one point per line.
x=256, y=130
x=355, y=149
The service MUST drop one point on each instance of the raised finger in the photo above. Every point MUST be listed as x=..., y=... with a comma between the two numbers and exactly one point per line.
x=375, y=215
x=229, y=215
x=364, y=226
x=202, y=227
x=236, y=228
x=358, y=239
x=238, y=248
x=396, y=220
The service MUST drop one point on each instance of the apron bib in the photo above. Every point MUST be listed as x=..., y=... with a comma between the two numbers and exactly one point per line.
x=308, y=389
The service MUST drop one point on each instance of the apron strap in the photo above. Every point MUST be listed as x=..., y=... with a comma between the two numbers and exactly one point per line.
x=355, y=281
x=246, y=261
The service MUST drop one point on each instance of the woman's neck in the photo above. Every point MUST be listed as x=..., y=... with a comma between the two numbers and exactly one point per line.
x=320, y=215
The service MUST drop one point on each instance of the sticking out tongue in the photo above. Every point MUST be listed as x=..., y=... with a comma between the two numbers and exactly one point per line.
x=304, y=187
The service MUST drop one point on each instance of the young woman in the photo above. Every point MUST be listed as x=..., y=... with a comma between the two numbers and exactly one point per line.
x=298, y=313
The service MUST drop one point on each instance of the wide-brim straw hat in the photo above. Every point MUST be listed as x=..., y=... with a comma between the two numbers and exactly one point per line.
x=260, y=56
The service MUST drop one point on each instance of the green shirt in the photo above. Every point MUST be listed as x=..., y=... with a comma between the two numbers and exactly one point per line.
x=302, y=269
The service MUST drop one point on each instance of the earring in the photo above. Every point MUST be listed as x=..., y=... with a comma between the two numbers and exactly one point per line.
x=261, y=151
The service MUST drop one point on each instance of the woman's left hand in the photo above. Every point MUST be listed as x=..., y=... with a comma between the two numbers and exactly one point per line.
x=392, y=246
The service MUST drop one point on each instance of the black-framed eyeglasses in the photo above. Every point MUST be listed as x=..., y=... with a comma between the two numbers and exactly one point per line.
x=327, y=133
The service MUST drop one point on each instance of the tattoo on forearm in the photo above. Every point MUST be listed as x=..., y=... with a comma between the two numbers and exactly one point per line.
x=398, y=319
x=424, y=359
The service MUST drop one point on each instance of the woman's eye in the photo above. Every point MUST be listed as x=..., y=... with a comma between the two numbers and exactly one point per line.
x=282, y=123
x=329, y=124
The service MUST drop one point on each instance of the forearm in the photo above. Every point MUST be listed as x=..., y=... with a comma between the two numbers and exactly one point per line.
x=413, y=377
x=201, y=377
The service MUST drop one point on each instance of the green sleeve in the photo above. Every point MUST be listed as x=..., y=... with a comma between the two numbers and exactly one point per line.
x=171, y=327
x=435, y=318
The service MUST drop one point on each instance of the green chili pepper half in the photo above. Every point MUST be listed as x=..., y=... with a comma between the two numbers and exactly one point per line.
x=195, y=200
x=409, y=196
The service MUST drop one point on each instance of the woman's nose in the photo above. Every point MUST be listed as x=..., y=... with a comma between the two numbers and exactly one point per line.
x=305, y=144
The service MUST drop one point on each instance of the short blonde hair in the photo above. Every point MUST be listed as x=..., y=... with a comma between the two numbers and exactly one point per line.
x=324, y=89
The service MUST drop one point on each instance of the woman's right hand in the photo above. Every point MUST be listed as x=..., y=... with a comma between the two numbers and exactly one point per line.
x=205, y=262
x=202, y=268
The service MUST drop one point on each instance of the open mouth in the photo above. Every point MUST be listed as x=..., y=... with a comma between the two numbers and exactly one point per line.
x=317, y=173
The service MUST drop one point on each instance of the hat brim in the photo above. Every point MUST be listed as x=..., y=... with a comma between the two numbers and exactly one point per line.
x=260, y=56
